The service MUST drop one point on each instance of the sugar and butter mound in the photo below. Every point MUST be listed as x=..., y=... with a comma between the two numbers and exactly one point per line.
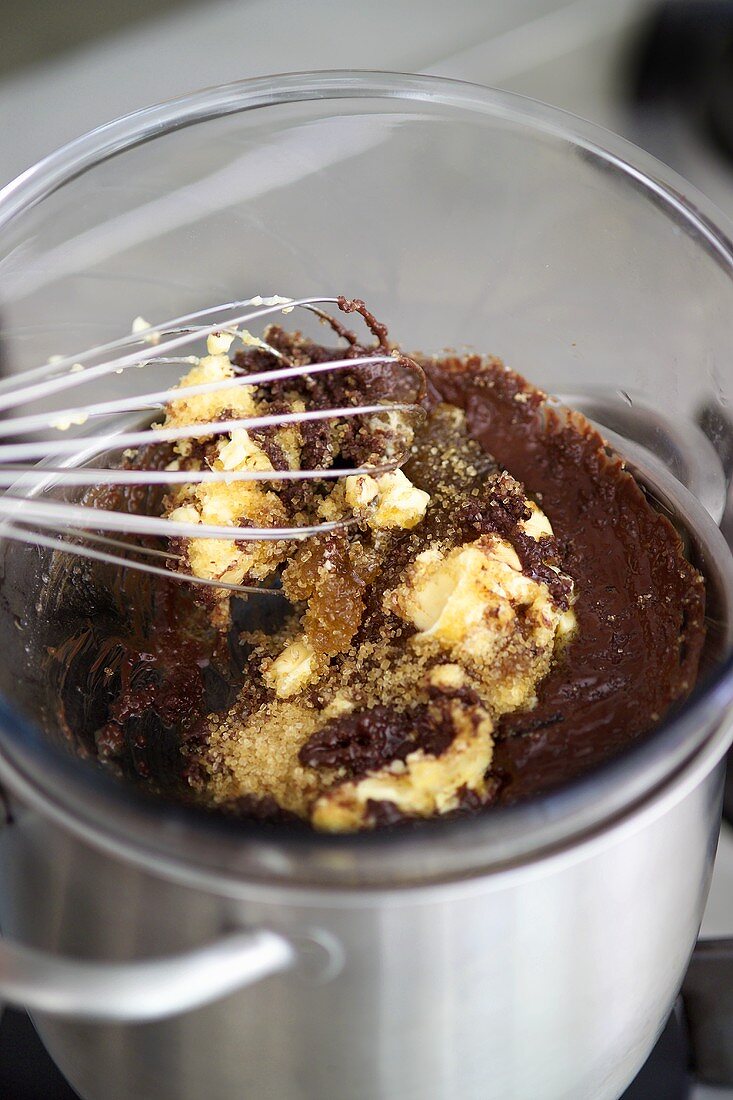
x=439, y=608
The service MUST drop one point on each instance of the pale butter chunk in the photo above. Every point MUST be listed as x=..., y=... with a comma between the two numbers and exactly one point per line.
x=475, y=604
x=422, y=784
x=293, y=669
x=387, y=501
x=219, y=343
x=233, y=402
x=238, y=451
x=447, y=597
x=538, y=525
x=141, y=327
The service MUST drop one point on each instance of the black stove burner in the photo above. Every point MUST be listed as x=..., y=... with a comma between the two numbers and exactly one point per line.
x=666, y=1074
x=27, y=1072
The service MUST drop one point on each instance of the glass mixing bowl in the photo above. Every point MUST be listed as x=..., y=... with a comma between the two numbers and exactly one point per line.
x=465, y=218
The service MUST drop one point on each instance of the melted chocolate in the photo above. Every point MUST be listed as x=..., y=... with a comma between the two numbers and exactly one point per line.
x=367, y=740
x=640, y=605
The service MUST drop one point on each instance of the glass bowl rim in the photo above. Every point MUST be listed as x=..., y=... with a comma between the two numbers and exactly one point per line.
x=113, y=815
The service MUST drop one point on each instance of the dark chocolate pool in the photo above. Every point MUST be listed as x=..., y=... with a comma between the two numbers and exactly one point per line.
x=640, y=605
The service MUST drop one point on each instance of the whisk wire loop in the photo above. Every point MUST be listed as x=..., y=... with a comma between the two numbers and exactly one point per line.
x=51, y=460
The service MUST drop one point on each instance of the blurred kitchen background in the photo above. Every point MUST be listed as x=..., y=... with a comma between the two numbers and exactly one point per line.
x=660, y=73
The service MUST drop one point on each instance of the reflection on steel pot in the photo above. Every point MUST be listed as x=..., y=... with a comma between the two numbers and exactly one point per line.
x=533, y=952
x=548, y=980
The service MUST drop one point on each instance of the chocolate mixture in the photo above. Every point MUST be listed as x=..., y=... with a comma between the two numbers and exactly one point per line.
x=639, y=607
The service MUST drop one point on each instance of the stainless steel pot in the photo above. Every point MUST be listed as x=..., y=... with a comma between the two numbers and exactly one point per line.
x=532, y=953
x=548, y=979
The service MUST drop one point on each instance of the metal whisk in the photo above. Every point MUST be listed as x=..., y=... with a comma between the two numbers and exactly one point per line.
x=28, y=468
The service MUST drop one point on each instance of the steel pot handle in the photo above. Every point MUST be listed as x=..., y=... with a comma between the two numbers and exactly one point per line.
x=148, y=989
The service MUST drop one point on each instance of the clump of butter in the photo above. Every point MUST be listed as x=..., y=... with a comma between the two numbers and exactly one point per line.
x=475, y=605
x=422, y=784
x=235, y=401
x=293, y=669
x=388, y=501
